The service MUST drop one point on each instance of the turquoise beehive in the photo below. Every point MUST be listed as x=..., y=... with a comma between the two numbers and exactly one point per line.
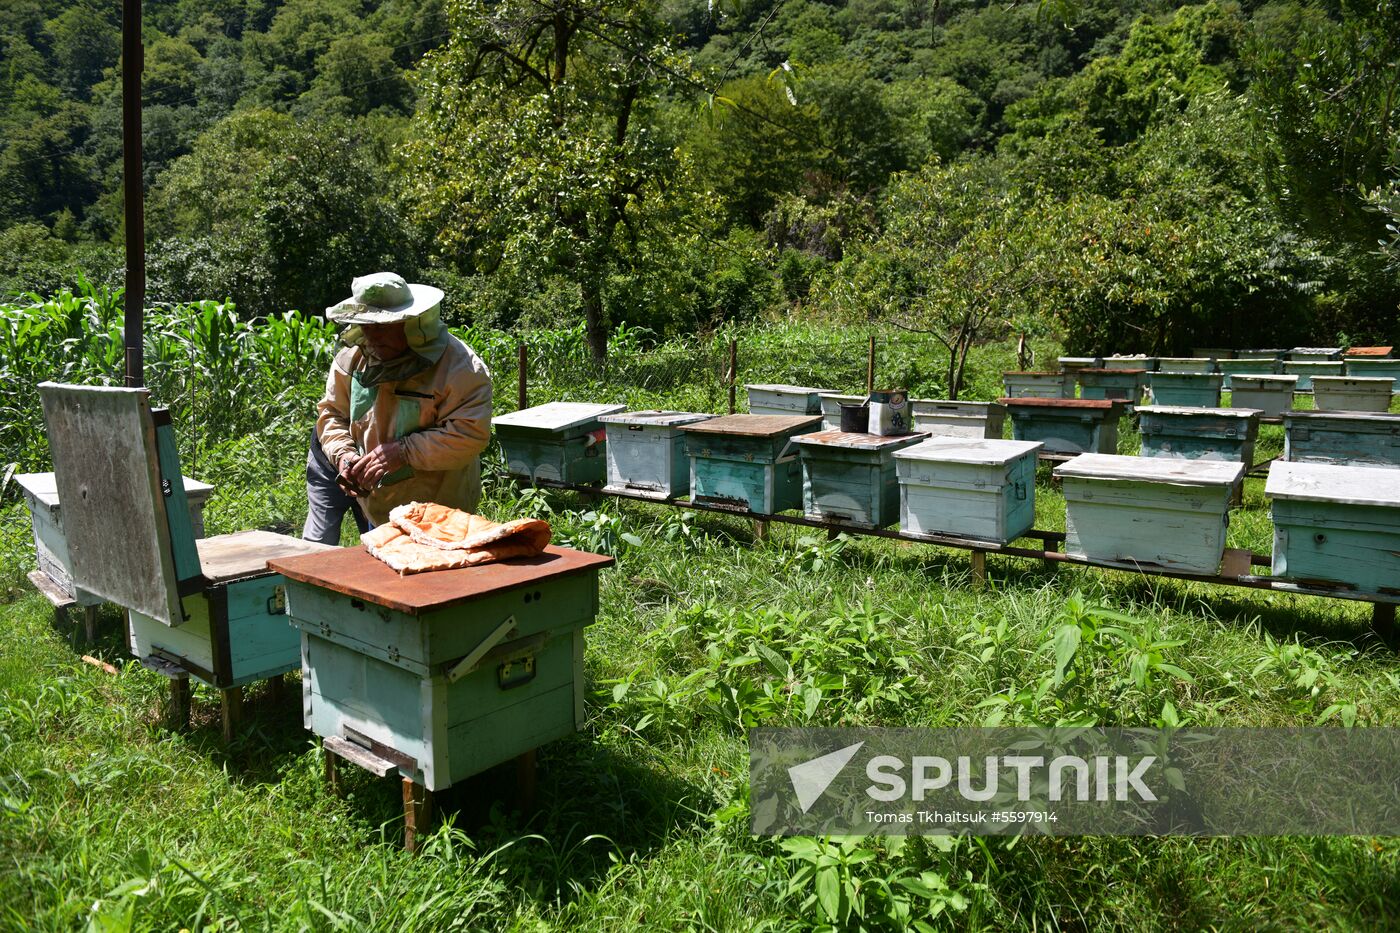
x=1360, y=438
x=850, y=477
x=561, y=442
x=747, y=461
x=1199, y=433
x=1065, y=425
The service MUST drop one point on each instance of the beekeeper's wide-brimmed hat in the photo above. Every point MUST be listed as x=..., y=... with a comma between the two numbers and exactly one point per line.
x=382, y=298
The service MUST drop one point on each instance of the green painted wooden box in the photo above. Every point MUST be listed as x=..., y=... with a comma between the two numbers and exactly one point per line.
x=1359, y=438
x=646, y=452
x=1314, y=354
x=447, y=673
x=1039, y=385
x=850, y=477
x=1066, y=426
x=1135, y=361
x=946, y=418
x=1199, y=433
x=1271, y=395
x=1123, y=385
x=968, y=488
x=1375, y=367
x=747, y=461
x=1185, y=364
x=831, y=408
x=1200, y=390
x=1306, y=369
x=1352, y=393
x=1268, y=366
x=561, y=442
x=1336, y=525
x=777, y=399
x=1127, y=511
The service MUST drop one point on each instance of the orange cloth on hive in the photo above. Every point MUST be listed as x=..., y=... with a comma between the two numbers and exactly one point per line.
x=423, y=536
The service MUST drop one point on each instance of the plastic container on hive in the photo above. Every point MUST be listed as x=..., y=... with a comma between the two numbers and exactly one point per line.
x=831, y=408
x=448, y=673
x=850, y=478
x=1375, y=367
x=1306, y=369
x=1124, y=385
x=1358, y=438
x=1127, y=511
x=1336, y=525
x=646, y=452
x=939, y=418
x=747, y=461
x=775, y=399
x=1039, y=385
x=1200, y=390
x=1266, y=366
x=1185, y=364
x=1352, y=393
x=561, y=442
x=1271, y=395
x=1066, y=426
x=968, y=488
x=1199, y=433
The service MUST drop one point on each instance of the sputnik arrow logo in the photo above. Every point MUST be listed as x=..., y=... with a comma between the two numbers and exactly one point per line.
x=811, y=778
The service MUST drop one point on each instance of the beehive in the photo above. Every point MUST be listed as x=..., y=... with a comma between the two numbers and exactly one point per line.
x=1336, y=525
x=1136, y=361
x=747, y=461
x=831, y=408
x=940, y=418
x=1375, y=367
x=773, y=399
x=561, y=442
x=1214, y=353
x=51, y=547
x=1305, y=370
x=1352, y=393
x=1127, y=511
x=1199, y=433
x=1124, y=385
x=646, y=452
x=968, y=488
x=1071, y=364
x=1039, y=385
x=1271, y=395
x=1275, y=354
x=850, y=477
x=444, y=674
x=1266, y=366
x=1314, y=354
x=1185, y=364
x=1201, y=390
x=1342, y=438
x=1065, y=426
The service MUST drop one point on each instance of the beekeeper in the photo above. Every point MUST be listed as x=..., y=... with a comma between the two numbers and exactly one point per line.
x=407, y=409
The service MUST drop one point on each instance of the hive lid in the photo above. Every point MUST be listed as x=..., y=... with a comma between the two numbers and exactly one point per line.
x=1327, y=482
x=1370, y=351
x=1153, y=469
x=975, y=450
x=1316, y=350
x=779, y=387
x=1182, y=377
x=1359, y=380
x=754, y=425
x=1238, y=378
x=845, y=399
x=928, y=406
x=1244, y=414
x=1183, y=359
x=1112, y=372
x=660, y=419
x=1372, y=417
x=1071, y=403
x=1078, y=359
x=557, y=416
x=852, y=440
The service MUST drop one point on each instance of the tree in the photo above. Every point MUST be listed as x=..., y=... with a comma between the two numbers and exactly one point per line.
x=533, y=149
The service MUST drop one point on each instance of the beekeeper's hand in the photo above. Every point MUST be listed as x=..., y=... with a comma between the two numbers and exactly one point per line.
x=377, y=464
x=345, y=476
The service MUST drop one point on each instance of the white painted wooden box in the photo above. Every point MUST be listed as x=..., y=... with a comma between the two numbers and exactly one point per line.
x=941, y=418
x=777, y=399
x=974, y=488
x=1185, y=364
x=1135, y=361
x=646, y=452
x=1352, y=393
x=1127, y=511
x=560, y=442
x=1271, y=395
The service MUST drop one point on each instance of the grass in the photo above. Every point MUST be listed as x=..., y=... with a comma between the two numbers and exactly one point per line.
x=108, y=820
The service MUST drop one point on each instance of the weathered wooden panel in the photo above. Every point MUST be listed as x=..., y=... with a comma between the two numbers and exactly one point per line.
x=1271, y=395
x=1199, y=433
x=1116, y=384
x=851, y=477
x=1039, y=385
x=1195, y=390
x=1352, y=393
x=1078, y=426
x=775, y=399
x=108, y=476
x=959, y=419
x=980, y=489
x=1339, y=524
x=1358, y=438
x=1139, y=510
x=760, y=486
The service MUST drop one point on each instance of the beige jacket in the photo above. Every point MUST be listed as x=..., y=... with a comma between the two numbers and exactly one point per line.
x=443, y=415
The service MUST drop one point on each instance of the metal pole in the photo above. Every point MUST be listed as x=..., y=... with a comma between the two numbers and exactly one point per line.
x=733, y=374
x=523, y=398
x=133, y=191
